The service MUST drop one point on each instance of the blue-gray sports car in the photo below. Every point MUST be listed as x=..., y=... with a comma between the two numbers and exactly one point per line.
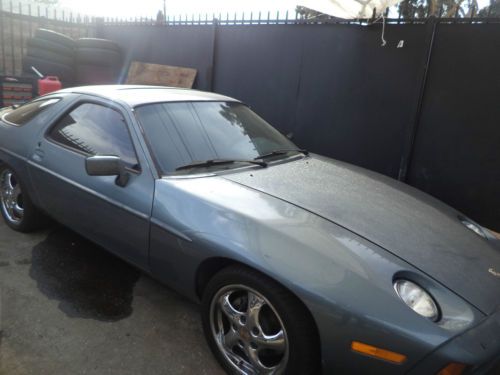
x=302, y=264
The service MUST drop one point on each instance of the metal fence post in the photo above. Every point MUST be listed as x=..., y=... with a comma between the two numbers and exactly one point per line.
x=2, y=41
x=99, y=27
x=12, y=47
x=215, y=30
x=21, y=29
x=413, y=127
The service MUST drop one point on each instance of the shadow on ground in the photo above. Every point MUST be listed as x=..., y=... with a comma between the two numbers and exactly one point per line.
x=87, y=281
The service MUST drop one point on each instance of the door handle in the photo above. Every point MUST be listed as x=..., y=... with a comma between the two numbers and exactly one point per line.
x=38, y=154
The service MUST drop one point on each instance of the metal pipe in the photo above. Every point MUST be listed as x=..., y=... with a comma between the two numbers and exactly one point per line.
x=408, y=153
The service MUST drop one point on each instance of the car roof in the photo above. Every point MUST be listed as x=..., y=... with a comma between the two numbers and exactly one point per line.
x=135, y=95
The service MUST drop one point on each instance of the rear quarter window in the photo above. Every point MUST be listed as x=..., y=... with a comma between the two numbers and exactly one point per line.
x=27, y=112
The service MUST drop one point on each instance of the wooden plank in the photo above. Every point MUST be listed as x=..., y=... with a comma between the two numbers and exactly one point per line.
x=141, y=73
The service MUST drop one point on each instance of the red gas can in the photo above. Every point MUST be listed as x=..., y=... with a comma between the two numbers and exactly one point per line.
x=48, y=84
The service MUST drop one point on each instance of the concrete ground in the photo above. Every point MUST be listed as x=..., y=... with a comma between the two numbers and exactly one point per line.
x=68, y=307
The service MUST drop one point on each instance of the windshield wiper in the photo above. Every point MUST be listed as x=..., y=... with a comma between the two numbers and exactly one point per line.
x=282, y=152
x=209, y=163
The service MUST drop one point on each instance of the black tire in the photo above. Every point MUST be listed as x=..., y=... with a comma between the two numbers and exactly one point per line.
x=301, y=336
x=98, y=56
x=32, y=219
x=55, y=37
x=51, y=46
x=48, y=68
x=50, y=56
x=96, y=75
x=97, y=43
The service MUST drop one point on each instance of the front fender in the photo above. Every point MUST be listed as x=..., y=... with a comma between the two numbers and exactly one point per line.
x=344, y=280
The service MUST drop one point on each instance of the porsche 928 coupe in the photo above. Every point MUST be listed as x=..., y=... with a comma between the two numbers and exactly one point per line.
x=302, y=264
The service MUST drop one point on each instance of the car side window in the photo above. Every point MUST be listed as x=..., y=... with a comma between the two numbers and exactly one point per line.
x=96, y=130
x=28, y=111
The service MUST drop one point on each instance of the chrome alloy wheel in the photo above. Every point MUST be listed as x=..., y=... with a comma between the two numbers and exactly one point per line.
x=248, y=331
x=11, y=197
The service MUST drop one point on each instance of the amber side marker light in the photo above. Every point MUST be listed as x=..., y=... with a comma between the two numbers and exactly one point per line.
x=452, y=369
x=373, y=351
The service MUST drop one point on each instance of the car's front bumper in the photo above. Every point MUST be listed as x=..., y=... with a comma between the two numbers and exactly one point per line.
x=478, y=348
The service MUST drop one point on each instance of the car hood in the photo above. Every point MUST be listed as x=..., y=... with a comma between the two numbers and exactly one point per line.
x=406, y=222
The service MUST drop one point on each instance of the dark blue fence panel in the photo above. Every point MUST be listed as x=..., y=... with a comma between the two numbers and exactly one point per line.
x=261, y=65
x=357, y=99
x=457, y=151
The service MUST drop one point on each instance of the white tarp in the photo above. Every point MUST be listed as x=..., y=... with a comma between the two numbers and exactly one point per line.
x=349, y=9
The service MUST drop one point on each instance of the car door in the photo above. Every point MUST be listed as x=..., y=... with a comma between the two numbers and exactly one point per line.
x=115, y=217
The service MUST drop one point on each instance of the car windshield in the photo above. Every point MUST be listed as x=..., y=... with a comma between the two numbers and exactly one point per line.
x=181, y=133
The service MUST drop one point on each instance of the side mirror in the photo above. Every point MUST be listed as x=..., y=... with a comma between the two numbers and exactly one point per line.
x=105, y=165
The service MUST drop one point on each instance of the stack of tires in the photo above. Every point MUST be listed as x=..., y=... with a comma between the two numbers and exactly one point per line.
x=52, y=54
x=86, y=61
x=98, y=61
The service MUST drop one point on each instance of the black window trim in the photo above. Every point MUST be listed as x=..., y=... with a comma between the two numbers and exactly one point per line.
x=111, y=106
x=43, y=98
